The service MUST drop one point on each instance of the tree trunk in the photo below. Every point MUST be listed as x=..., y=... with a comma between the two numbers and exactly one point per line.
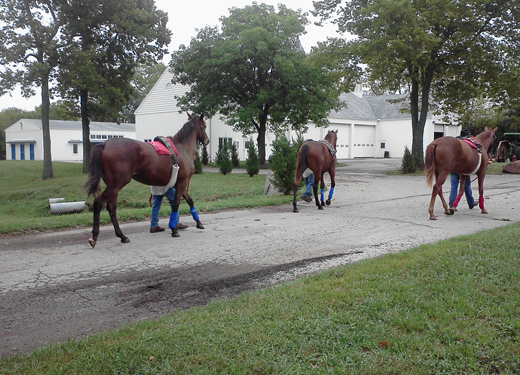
x=47, y=157
x=261, y=146
x=85, y=125
x=261, y=135
x=418, y=122
x=417, y=129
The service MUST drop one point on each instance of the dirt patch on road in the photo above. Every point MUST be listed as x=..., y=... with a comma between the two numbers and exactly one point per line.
x=41, y=316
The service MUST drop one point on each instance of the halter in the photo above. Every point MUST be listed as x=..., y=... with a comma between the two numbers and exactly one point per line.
x=331, y=148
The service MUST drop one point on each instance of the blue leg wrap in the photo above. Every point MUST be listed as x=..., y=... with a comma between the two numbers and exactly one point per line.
x=321, y=195
x=174, y=218
x=194, y=213
x=331, y=191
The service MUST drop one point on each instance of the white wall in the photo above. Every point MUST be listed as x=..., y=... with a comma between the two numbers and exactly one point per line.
x=20, y=131
x=61, y=149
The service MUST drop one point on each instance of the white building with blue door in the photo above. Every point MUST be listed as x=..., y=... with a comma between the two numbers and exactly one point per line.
x=24, y=138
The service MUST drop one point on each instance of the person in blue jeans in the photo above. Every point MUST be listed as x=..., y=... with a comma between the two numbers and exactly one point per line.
x=156, y=206
x=454, y=178
x=309, y=182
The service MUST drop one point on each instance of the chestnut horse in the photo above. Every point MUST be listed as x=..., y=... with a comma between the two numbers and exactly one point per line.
x=465, y=156
x=320, y=157
x=118, y=160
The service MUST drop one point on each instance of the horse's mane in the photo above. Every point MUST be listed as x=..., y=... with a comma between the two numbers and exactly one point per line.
x=329, y=136
x=185, y=131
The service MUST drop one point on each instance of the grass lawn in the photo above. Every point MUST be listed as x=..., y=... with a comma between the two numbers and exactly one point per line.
x=25, y=206
x=446, y=308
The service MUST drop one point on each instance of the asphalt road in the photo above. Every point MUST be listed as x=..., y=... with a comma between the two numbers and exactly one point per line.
x=54, y=286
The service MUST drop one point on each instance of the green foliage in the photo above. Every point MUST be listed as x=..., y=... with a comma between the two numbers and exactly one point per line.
x=408, y=165
x=252, y=161
x=260, y=77
x=198, y=163
x=235, y=158
x=205, y=155
x=223, y=158
x=283, y=163
x=421, y=50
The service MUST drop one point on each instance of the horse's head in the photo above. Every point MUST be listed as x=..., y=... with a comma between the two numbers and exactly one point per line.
x=486, y=138
x=200, y=127
x=332, y=137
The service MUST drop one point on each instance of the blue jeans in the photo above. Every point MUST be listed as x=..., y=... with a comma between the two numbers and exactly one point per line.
x=156, y=205
x=454, y=178
x=309, y=181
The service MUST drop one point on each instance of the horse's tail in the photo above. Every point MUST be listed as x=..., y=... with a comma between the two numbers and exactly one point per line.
x=429, y=163
x=302, y=160
x=94, y=174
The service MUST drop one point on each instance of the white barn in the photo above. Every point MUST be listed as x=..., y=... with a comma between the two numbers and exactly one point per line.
x=368, y=126
x=24, y=139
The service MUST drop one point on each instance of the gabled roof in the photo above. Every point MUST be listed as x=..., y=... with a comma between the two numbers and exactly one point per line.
x=64, y=124
x=372, y=107
x=161, y=98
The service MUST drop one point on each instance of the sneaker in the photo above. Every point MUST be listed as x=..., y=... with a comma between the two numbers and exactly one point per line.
x=181, y=226
x=156, y=229
x=472, y=205
x=306, y=198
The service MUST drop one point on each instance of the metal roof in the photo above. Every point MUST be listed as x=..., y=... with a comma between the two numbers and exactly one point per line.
x=94, y=125
x=367, y=107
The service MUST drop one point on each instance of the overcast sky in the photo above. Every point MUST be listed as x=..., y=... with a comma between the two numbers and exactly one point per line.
x=184, y=17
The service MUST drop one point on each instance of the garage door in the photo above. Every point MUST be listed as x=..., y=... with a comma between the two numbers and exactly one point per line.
x=313, y=133
x=342, y=145
x=364, y=141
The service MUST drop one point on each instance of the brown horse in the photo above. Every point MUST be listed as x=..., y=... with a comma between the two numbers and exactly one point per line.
x=118, y=160
x=464, y=157
x=320, y=157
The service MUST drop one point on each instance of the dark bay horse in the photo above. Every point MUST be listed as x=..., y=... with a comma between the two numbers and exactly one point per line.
x=465, y=157
x=320, y=157
x=119, y=160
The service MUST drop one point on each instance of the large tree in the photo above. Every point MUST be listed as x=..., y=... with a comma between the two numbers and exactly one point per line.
x=110, y=39
x=254, y=72
x=443, y=50
x=29, y=55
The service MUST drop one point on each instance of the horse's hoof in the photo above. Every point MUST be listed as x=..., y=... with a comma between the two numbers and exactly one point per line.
x=125, y=240
x=320, y=207
x=175, y=233
x=327, y=202
x=322, y=204
x=92, y=242
x=200, y=226
x=483, y=211
x=295, y=210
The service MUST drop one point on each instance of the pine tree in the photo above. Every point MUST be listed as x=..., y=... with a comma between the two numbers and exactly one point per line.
x=408, y=165
x=235, y=159
x=283, y=163
x=224, y=159
x=252, y=161
x=205, y=155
